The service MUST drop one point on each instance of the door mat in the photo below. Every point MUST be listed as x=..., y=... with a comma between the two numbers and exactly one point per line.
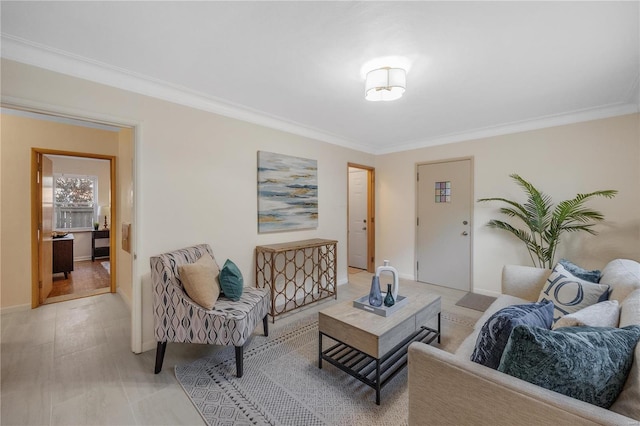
x=477, y=302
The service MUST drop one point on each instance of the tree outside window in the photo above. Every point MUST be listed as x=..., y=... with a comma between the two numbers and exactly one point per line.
x=75, y=201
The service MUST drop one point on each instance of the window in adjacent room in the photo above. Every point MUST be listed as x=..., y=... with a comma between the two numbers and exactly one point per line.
x=75, y=201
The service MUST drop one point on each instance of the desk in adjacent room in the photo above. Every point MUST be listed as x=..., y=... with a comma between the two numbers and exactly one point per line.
x=63, y=254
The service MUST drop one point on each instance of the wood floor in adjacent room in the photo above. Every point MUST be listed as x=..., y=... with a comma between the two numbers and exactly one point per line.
x=87, y=278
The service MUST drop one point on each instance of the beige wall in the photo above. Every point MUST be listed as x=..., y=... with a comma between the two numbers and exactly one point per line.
x=18, y=136
x=196, y=182
x=82, y=166
x=561, y=161
x=196, y=178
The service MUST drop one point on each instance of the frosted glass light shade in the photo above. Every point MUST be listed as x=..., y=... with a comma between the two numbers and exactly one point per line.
x=385, y=84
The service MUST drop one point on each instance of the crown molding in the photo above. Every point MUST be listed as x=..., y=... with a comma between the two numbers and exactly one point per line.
x=38, y=55
x=590, y=114
x=19, y=112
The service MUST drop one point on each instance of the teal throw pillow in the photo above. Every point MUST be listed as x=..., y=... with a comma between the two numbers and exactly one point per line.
x=586, y=363
x=495, y=332
x=592, y=276
x=231, y=281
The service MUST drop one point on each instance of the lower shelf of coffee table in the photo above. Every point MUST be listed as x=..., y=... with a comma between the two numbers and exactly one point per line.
x=374, y=372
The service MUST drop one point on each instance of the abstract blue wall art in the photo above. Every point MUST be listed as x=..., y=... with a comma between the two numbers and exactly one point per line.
x=287, y=193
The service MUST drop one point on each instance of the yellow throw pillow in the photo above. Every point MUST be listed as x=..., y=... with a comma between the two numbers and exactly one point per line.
x=200, y=281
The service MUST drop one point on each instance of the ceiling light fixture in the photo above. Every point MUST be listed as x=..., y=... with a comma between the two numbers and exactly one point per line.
x=385, y=84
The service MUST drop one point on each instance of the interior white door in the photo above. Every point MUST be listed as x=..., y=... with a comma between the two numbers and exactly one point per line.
x=358, y=218
x=444, y=224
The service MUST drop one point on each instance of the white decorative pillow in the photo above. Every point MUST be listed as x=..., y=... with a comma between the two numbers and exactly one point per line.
x=602, y=314
x=200, y=281
x=569, y=294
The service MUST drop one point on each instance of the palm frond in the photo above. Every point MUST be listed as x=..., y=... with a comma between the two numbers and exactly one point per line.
x=517, y=206
x=524, y=236
x=546, y=223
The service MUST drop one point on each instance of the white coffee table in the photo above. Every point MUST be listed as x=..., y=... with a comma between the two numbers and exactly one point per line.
x=373, y=348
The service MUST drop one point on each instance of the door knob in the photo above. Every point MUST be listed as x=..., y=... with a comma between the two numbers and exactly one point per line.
x=364, y=228
x=465, y=233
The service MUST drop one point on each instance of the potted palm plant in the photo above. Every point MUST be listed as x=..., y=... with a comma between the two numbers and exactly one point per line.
x=546, y=223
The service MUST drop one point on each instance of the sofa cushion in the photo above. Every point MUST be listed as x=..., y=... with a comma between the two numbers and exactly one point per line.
x=231, y=281
x=524, y=282
x=602, y=314
x=586, y=363
x=200, y=281
x=630, y=309
x=494, y=334
x=628, y=403
x=569, y=294
x=592, y=276
x=623, y=275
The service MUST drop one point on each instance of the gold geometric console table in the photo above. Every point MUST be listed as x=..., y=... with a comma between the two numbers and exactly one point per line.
x=298, y=273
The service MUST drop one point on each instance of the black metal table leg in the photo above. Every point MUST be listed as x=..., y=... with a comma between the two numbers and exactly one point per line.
x=438, y=327
x=378, y=381
x=320, y=351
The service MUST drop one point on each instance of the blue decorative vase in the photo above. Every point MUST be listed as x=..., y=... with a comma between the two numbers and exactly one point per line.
x=388, y=299
x=375, y=296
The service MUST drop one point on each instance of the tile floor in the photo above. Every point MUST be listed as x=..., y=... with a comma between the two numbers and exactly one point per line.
x=70, y=363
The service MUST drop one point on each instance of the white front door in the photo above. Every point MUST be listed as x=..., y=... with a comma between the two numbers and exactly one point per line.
x=445, y=198
x=358, y=218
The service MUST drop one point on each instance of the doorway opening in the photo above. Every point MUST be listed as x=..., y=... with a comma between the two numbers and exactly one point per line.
x=71, y=217
x=81, y=217
x=360, y=218
x=51, y=130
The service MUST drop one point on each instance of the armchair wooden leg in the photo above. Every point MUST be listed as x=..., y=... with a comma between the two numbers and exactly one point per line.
x=162, y=346
x=239, y=359
x=265, y=324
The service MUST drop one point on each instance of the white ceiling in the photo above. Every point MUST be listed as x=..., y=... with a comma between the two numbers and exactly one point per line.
x=474, y=68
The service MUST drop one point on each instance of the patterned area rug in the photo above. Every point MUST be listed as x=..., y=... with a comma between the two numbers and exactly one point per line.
x=282, y=384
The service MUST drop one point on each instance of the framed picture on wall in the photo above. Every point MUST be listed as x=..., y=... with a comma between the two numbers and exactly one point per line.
x=287, y=192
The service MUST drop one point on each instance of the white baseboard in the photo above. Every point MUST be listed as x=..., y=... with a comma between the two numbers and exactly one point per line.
x=149, y=345
x=16, y=308
x=486, y=292
x=409, y=277
x=124, y=297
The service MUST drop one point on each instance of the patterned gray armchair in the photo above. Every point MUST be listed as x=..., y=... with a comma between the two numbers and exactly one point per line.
x=177, y=318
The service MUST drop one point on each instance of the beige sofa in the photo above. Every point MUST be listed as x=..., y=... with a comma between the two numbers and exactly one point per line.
x=447, y=388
